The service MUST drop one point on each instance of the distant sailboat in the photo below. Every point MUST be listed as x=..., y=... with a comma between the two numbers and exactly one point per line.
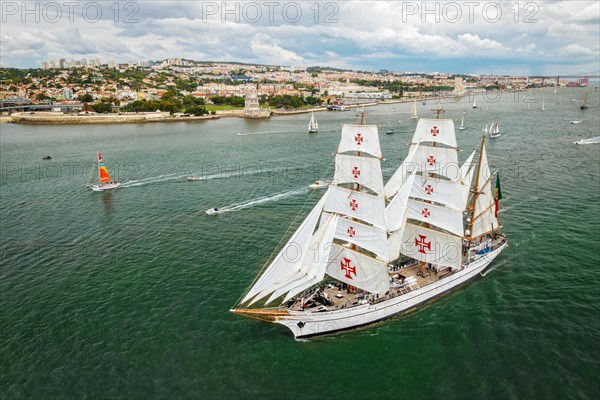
x=584, y=104
x=555, y=90
x=528, y=107
x=105, y=182
x=474, y=103
x=485, y=130
x=462, y=123
x=543, y=106
x=313, y=126
x=414, y=113
x=495, y=129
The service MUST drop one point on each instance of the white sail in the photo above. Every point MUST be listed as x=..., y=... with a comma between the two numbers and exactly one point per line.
x=440, y=160
x=395, y=216
x=484, y=219
x=365, y=171
x=395, y=212
x=361, y=138
x=402, y=173
x=288, y=261
x=358, y=270
x=314, y=263
x=435, y=130
x=313, y=126
x=431, y=246
x=366, y=207
x=442, y=217
x=368, y=237
x=462, y=121
x=440, y=191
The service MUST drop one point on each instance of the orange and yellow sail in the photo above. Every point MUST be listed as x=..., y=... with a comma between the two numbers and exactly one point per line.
x=104, y=177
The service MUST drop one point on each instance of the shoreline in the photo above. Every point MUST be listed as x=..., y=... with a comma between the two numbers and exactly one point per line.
x=46, y=118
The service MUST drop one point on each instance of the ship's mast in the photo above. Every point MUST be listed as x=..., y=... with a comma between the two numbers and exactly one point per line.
x=476, y=190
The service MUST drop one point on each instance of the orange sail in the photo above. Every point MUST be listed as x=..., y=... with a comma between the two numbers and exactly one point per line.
x=104, y=177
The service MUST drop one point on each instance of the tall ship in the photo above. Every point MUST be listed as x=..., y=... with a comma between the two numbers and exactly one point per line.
x=368, y=251
x=105, y=182
x=313, y=126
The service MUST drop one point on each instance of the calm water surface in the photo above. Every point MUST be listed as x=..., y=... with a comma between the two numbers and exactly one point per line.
x=125, y=294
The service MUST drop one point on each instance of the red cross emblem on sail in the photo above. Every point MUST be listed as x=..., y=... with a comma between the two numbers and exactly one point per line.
x=351, y=231
x=426, y=213
x=431, y=160
x=345, y=265
x=354, y=205
x=429, y=189
x=355, y=172
x=435, y=131
x=358, y=139
x=423, y=244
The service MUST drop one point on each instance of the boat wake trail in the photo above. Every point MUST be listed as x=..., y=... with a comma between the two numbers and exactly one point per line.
x=151, y=180
x=594, y=140
x=262, y=200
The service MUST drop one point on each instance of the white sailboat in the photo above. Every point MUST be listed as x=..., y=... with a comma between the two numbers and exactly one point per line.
x=495, y=129
x=474, y=103
x=485, y=130
x=462, y=122
x=367, y=252
x=584, y=104
x=313, y=126
x=414, y=112
x=543, y=105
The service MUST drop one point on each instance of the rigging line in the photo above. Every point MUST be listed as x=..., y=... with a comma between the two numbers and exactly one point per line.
x=283, y=237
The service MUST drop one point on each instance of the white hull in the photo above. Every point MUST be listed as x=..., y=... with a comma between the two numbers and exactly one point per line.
x=105, y=186
x=305, y=324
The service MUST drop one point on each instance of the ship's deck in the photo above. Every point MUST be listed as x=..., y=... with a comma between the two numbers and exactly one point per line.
x=404, y=280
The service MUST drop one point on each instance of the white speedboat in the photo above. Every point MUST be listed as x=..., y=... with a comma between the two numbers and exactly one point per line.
x=195, y=178
x=318, y=185
x=576, y=122
x=213, y=211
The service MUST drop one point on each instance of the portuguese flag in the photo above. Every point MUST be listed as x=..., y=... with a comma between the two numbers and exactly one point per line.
x=497, y=194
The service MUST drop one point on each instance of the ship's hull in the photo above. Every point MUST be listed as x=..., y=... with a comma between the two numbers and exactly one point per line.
x=306, y=324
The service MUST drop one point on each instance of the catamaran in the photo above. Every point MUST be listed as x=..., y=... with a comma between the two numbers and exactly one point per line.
x=313, y=126
x=462, y=122
x=105, y=182
x=414, y=112
x=495, y=129
x=367, y=252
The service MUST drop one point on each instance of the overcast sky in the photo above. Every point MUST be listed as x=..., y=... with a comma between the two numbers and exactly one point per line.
x=537, y=37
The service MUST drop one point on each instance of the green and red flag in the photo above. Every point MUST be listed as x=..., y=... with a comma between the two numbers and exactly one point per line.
x=497, y=193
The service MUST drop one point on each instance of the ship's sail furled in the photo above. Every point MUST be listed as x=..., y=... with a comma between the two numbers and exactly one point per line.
x=484, y=219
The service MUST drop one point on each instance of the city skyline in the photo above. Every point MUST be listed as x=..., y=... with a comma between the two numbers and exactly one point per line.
x=535, y=38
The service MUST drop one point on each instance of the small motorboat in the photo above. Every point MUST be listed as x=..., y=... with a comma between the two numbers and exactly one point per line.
x=47, y=158
x=196, y=178
x=576, y=122
x=390, y=132
x=213, y=211
x=318, y=185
